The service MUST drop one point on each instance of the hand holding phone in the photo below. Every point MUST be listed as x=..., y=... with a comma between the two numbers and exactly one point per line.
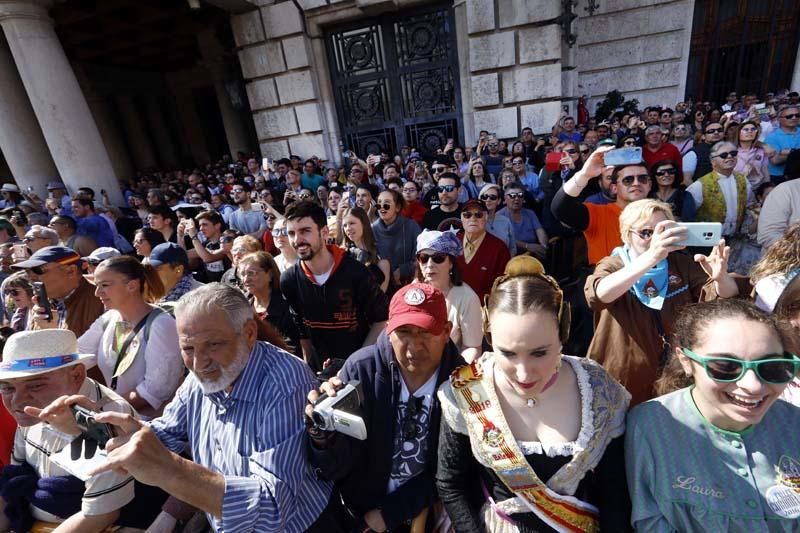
x=42, y=301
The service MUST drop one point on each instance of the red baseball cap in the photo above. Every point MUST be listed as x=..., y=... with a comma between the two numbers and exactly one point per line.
x=418, y=304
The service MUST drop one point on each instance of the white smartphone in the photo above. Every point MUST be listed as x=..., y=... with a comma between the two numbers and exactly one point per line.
x=701, y=233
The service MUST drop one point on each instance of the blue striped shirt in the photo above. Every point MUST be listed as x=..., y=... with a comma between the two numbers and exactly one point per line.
x=254, y=436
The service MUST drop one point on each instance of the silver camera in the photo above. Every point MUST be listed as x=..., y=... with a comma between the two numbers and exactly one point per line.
x=340, y=413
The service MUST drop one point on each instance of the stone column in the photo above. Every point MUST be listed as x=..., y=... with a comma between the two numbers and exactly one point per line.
x=160, y=130
x=107, y=124
x=21, y=139
x=144, y=156
x=235, y=130
x=795, y=86
x=66, y=121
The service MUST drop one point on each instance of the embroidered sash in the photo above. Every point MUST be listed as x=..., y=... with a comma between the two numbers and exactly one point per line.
x=492, y=438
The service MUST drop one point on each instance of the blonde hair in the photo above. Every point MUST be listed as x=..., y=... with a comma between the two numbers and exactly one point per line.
x=781, y=257
x=638, y=211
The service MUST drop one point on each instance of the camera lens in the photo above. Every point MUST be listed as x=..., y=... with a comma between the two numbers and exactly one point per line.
x=319, y=421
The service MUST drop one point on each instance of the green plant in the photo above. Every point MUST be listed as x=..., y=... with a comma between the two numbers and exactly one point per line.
x=615, y=100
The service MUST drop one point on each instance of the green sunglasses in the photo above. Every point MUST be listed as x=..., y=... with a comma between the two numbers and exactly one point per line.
x=728, y=370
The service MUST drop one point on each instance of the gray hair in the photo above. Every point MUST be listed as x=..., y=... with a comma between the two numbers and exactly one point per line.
x=43, y=232
x=718, y=146
x=213, y=298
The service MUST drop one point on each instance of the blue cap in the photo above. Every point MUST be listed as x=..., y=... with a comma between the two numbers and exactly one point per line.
x=168, y=253
x=50, y=254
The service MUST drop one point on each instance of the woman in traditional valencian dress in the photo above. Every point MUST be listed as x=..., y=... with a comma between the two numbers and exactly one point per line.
x=531, y=440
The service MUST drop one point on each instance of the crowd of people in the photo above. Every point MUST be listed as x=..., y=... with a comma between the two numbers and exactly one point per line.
x=529, y=343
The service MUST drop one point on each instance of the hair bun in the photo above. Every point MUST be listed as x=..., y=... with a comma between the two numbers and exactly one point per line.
x=524, y=265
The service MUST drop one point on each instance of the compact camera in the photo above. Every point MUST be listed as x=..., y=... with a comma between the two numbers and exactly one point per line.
x=340, y=413
x=90, y=428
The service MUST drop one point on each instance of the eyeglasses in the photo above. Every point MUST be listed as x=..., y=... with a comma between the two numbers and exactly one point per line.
x=490, y=197
x=645, y=234
x=447, y=188
x=515, y=195
x=714, y=130
x=667, y=172
x=384, y=207
x=726, y=155
x=13, y=292
x=790, y=117
x=412, y=190
x=280, y=232
x=775, y=369
x=305, y=196
x=748, y=130
x=38, y=270
x=237, y=191
x=437, y=170
x=438, y=258
x=516, y=162
x=630, y=143
x=641, y=178
x=585, y=151
x=270, y=216
x=571, y=151
x=466, y=215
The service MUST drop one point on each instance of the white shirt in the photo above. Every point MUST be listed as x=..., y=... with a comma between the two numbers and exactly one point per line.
x=156, y=371
x=464, y=311
x=283, y=263
x=34, y=445
x=727, y=185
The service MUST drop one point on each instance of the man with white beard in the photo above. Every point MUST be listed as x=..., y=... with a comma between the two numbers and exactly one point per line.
x=240, y=411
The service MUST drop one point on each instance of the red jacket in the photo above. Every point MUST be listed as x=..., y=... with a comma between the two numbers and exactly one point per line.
x=415, y=211
x=8, y=426
x=488, y=263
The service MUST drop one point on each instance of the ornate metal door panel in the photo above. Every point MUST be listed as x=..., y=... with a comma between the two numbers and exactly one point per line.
x=395, y=82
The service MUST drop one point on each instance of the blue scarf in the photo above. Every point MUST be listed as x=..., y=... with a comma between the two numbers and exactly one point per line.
x=651, y=288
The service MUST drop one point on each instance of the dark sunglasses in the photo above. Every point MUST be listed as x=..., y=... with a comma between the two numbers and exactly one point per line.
x=469, y=214
x=726, y=155
x=667, y=172
x=237, y=191
x=790, y=117
x=280, y=232
x=38, y=270
x=571, y=151
x=715, y=130
x=641, y=178
x=774, y=369
x=437, y=170
x=645, y=234
x=270, y=216
x=13, y=292
x=447, y=188
x=516, y=162
x=515, y=195
x=384, y=207
x=491, y=197
x=586, y=151
x=438, y=258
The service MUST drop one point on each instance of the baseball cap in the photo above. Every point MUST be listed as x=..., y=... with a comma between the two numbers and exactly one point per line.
x=50, y=254
x=101, y=254
x=168, y=253
x=474, y=202
x=418, y=305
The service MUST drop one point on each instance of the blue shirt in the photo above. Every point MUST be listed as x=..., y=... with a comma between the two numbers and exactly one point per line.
x=780, y=140
x=250, y=221
x=525, y=230
x=311, y=181
x=255, y=437
x=97, y=228
x=531, y=182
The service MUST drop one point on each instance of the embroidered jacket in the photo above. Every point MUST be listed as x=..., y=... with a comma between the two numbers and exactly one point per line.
x=714, y=208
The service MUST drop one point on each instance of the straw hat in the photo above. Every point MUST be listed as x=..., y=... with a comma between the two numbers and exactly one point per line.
x=28, y=353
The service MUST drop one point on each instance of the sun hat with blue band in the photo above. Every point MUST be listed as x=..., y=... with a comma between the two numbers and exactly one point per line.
x=29, y=353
